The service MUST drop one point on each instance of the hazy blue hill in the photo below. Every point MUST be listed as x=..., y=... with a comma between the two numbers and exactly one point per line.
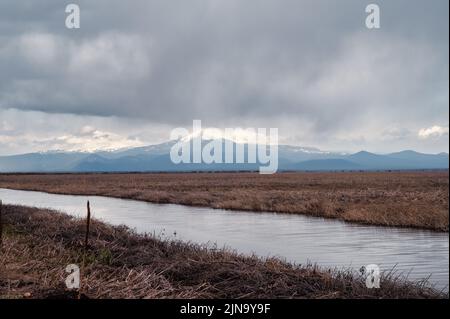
x=423, y=160
x=364, y=156
x=408, y=154
x=41, y=162
x=298, y=154
x=157, y=158
x=123, y=164
x=325, y=165
x=93, y=162
x=400, y=160
x=411, y=155
x=369, y=160
x=150, y=150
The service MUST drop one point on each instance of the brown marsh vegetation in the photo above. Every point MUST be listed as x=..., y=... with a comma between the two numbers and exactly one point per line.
x=403, y=199
x=38, y=245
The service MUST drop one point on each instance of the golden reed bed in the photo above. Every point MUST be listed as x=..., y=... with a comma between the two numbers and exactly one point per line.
x=404, y=199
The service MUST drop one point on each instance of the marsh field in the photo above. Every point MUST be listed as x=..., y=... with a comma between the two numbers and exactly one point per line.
x=417, y=199
x=121, y=262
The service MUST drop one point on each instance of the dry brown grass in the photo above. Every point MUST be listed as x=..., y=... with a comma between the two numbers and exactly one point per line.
x=121, y=264
x=405, y=199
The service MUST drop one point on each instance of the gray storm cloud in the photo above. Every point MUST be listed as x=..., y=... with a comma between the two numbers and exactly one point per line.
x=294, y=64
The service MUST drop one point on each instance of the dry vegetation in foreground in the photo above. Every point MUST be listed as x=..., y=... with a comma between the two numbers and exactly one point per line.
x=404, y=199
x=38, y=244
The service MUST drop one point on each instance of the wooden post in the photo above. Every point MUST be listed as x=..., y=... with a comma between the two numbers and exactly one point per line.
x=88, y=223
x=86, y=242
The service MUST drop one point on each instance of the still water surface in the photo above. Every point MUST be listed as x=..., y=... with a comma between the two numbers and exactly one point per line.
x=300, y=239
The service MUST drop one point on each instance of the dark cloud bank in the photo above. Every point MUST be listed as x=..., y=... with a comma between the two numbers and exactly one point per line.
x=310, y=68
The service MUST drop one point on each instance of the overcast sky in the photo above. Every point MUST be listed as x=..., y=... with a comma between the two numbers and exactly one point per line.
x=138, y=68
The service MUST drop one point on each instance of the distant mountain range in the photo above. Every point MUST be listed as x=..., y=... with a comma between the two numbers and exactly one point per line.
x=156, y=158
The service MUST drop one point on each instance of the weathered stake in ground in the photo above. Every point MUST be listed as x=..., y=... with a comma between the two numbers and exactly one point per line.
x=88, y=223
x=86, y=242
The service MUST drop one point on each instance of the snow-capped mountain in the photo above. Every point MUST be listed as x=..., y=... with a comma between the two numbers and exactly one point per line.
x=157, y=158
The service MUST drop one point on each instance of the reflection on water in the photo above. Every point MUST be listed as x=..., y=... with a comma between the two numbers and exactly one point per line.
x=296, y=238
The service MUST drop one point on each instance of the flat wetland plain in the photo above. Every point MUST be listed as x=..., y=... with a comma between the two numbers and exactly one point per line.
x=402, y=199
x=119, y=263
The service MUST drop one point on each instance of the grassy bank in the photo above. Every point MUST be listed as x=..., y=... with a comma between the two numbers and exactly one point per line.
x=402, y=199
x=38, y=244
